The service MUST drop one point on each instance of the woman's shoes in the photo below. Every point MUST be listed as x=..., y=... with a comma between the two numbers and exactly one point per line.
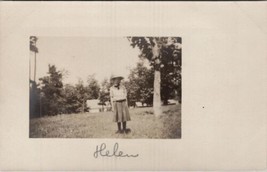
x=119, y=131
x=125, y=131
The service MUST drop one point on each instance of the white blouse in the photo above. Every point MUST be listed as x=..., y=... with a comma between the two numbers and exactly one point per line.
x=118, y=94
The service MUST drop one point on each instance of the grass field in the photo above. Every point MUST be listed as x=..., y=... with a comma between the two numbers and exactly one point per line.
x=143, y=124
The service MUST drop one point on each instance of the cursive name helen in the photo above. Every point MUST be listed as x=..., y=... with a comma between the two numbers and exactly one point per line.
x=102, y=151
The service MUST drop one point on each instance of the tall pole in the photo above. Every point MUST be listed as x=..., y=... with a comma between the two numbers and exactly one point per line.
x=40, y=110
x=30, y=69
x=34, y=66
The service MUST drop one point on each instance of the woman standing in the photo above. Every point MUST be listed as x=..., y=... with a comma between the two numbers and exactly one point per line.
x=118, y=98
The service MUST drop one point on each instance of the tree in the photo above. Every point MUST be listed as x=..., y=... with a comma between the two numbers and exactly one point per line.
x=71, y=103
x=132, y=95
x=140, y=85
x=93, y=87
x=171, y=70
x=161, y=52
x=104, y=92
x=82, y=96
x=85, y=92
x=52, y=102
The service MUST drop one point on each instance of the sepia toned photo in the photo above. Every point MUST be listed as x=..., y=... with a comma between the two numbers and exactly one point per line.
x=136, y=86
x=105, y=87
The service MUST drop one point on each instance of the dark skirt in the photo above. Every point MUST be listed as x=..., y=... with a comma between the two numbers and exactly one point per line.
x=121, y=112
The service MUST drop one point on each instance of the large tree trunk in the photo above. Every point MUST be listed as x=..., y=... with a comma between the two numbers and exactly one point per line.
x=156, y=97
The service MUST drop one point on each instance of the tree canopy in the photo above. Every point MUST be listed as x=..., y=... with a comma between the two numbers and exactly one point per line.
x=56, y=98
x=168, y=54
x=140, y=85
x=164, y=56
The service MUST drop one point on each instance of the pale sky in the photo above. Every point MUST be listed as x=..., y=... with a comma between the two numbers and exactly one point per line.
x=83, y=56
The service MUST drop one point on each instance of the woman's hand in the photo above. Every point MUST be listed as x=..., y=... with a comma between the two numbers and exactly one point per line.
x=112, y=106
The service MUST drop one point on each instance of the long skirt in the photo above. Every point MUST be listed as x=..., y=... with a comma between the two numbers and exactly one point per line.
x=121, y=112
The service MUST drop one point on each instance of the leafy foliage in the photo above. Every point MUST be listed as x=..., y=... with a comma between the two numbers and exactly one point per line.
x=164, y=55
x=169, y=50
x=104, y=92
x=93, y=87
x=52, y=100
x=140, y=85
x=52, y=97
x=72, y=103
x=82, y=93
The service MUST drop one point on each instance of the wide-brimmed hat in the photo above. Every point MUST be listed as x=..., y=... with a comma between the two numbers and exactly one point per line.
x=116, y=76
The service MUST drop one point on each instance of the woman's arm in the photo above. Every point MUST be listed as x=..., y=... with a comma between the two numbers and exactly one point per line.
x=125, y=94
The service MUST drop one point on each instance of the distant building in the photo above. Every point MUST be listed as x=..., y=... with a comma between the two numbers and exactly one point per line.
x=173, y=102
x=138, y=104
x=95, y=106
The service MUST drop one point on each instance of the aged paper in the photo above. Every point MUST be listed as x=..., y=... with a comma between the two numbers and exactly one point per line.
x=224, y=80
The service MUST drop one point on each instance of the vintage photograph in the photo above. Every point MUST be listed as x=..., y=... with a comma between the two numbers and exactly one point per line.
x=105, y=87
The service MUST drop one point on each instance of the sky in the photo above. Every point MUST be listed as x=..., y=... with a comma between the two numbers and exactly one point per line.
x=83, y=56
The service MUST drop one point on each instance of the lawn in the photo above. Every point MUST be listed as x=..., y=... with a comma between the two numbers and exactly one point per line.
x=143, y=124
